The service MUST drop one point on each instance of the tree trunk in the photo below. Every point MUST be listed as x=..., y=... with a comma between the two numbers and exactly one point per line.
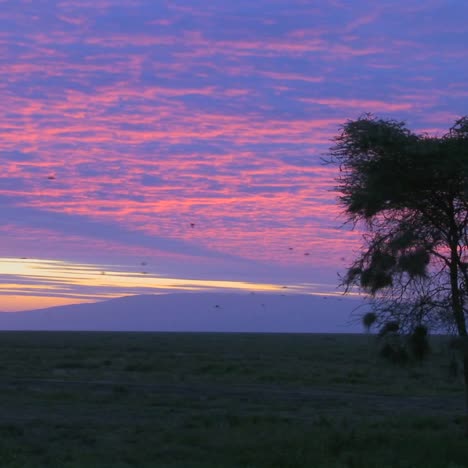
x=459, y=316
x=465, y=378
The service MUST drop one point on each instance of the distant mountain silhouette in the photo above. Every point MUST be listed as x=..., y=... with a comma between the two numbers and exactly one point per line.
x=210, y=312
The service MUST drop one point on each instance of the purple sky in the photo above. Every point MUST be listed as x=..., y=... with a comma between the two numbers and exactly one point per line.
x=125, y=121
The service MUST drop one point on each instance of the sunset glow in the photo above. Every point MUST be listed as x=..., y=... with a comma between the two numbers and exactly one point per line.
x=154, y=146
x=34, y=282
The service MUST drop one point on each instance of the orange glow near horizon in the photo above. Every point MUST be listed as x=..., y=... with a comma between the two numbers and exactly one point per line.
x=36, y=283
x=12, y=303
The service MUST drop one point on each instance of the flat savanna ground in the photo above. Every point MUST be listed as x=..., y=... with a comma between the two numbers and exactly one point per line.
x=224, y=400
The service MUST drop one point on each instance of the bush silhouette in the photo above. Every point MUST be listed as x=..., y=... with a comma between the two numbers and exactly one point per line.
x=394, y=353
x=418, y=343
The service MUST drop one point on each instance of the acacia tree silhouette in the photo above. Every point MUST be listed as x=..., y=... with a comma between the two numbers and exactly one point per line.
x=409, y=193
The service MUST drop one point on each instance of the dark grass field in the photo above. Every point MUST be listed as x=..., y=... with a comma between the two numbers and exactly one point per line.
x=223, y=400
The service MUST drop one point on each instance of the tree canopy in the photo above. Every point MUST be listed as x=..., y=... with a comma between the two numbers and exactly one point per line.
x=410, y=194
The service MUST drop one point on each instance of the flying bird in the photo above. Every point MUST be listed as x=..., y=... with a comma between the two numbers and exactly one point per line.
x=51, y=177
x=192, y=225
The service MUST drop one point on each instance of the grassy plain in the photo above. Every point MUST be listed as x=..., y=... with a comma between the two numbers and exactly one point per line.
x=176, y=400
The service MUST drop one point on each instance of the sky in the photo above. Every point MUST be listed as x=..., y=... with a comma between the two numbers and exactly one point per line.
x=149, y=146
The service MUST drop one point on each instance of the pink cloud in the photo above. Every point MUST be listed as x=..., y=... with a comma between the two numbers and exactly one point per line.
x=163, y=125
x=365, y=104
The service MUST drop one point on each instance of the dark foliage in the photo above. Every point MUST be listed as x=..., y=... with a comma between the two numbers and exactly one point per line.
x=394, y=353
x=410, y=194
x=368, y=320
x=419, y=343
x=389, y=328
